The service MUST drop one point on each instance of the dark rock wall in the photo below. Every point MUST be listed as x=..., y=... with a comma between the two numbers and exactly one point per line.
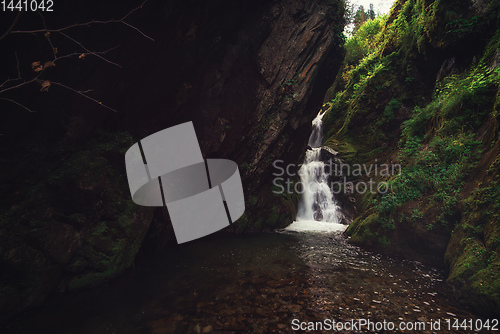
x=251, y=75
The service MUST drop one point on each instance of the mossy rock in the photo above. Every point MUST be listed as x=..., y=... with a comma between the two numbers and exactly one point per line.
x=75, y=226
x=473, y=256
x=368, y=231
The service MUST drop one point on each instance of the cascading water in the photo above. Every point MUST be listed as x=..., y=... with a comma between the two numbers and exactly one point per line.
x=317, y=207
x=317, y=202
x=316, y=136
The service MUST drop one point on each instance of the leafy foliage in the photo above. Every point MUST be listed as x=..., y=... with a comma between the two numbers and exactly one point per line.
x=365, y=41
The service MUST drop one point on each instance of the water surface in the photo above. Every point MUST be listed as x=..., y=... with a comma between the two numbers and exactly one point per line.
x=249, y=284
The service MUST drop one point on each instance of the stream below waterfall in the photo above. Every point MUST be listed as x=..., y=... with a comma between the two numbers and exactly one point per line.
x=250, y=284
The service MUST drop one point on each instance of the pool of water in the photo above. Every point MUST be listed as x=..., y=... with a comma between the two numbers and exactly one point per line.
x=250, y=284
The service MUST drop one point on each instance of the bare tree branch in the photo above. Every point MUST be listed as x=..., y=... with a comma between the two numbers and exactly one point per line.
x=89, y=23
x=17, y=103
x=82, y=93
x=138, y=30
x=9, y=84
x=17, y=66
x=24, y=83
x=47, y=35
x=88, y=51
x=84, y=54
x=19, y=77
x=9, y=30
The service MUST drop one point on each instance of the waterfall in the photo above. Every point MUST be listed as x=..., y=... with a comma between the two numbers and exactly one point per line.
x=317, y=202
x=316, y=136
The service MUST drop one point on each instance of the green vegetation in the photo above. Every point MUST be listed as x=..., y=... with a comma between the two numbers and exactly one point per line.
x=360, y=16
x=258, y=217
x=364, y=42
x=420, y=87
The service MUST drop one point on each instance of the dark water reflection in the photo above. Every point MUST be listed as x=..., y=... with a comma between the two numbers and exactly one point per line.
x=255, y=284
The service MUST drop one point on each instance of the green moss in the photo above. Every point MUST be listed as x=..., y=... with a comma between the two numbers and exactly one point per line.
x=469, y=262
x=252, y=200
x=273, y=216
x=366, y=229
x=443, y=133
x=389, y=112
x=91, y=280
x=242, y=224
x=347, y=150
x=473, y=252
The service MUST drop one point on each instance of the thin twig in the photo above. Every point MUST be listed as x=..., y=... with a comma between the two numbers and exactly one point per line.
x=82, y=93
x=137, y=29
x=17, y=65
x=54, y=50
x=89, y=23
x=86, y=91
x=9, y=30
x=24, y=83
x=17, y=103
x=7, y=81
x=79, y=54
x=90, y=52
x=47, y=35
x=18, y=74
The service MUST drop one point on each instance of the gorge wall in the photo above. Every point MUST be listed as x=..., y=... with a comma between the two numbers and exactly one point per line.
x=421, y=88
x=249, y=74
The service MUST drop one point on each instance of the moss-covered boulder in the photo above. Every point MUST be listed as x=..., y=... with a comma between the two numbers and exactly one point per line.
x=69, y=225
x=473, y=254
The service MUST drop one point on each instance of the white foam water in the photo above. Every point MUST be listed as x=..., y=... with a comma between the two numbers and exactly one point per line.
x=318, y=209
x=315, y=226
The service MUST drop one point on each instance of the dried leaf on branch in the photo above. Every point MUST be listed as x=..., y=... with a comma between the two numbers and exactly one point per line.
x=36, y=66
x=48, y=64
x=45, y=86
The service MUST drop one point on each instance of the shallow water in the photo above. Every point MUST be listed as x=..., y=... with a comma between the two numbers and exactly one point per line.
x=315, y=226
x=250, y=284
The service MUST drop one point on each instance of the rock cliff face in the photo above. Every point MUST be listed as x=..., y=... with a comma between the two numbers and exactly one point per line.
x=250, y=75
x=421, y=89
